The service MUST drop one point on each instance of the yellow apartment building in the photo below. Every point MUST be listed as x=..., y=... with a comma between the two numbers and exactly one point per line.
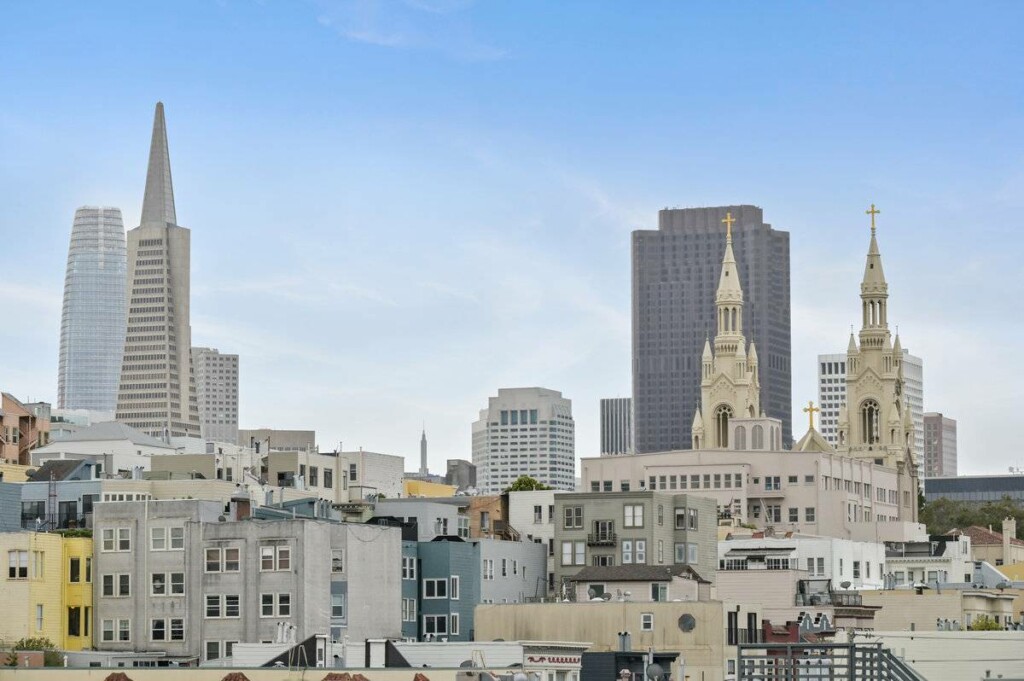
x=47, y=588
x=423, y=488
x=13, y=472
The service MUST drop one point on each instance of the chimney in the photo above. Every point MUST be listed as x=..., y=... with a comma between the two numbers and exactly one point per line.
x=242, y=505
x=1009, y=533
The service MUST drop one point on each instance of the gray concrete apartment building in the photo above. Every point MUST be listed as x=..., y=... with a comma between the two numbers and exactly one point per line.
x=675, y=274
x=181, y=577
x=634, y=528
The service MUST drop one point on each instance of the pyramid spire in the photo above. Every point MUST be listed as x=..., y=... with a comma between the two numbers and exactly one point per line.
x=729, y=289
x=158, y=201
x=874, y=277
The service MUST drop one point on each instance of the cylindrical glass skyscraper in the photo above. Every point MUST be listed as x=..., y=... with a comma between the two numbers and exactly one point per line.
x=92, y=327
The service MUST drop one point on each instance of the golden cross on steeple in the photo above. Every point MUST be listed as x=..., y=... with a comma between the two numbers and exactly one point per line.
x=873, y=212
x=728, y=220
x=809, y=410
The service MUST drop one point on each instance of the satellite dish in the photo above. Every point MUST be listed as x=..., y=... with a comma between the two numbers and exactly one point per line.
x=846, y=585
x=467, y=664
x=627, y=594
x=687, y=622
x=655, y=672
x=606, y=597
x=591, y=593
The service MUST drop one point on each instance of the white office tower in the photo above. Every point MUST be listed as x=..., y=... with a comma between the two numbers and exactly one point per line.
x=525, y=431
x=832, y=395
x=617, y=426
x=913, y=389
x=93, y=319
x=217, y=389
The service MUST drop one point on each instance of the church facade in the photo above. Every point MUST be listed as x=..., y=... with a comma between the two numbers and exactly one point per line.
x=865, y=489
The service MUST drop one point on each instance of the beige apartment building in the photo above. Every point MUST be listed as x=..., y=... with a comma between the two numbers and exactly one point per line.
x=705, y=632
x=810, y=492
x=922, y=609
x=994, y=547
x=338, y=477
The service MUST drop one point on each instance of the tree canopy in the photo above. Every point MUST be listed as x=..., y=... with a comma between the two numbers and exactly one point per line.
x=943, y=515
x=985, y=623
x=51, y=658
x=524, y=483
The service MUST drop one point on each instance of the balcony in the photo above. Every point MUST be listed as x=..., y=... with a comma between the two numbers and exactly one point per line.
x=766, y=492
x=602, y=539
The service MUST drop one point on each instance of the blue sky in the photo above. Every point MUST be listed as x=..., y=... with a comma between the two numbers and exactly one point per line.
x=398, y=207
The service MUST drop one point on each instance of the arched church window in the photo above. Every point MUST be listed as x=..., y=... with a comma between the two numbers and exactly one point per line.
x=757, y=438
x=869, y=416
x=722, y=416
x=740, y=441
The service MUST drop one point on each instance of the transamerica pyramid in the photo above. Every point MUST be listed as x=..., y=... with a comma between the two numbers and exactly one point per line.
x=157, y=392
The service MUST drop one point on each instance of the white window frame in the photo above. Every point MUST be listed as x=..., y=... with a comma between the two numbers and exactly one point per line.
x=434, y=582
x=647, y=621
x=344, y=606
x=453, y=624
x=216, y=601
x=124, y=534
x=435, y=619
x=275, y=554
x=633, y=515
x=155, y=532
x=176, y=543
x=163, y=622
x=453, y=588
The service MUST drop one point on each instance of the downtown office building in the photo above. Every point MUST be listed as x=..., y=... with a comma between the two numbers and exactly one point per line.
x=93, y=318
x=675, y=274
x=525, y=431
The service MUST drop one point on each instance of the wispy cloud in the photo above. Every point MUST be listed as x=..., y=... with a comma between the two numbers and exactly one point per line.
x=438, y=25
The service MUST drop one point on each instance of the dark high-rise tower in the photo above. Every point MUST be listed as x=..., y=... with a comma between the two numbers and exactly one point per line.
x=675, y=275
x=157, y=393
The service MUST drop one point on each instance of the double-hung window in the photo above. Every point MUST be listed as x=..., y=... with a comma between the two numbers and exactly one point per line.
x=633, y=515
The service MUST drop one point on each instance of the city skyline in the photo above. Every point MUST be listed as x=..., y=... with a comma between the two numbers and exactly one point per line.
x=446, y=281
